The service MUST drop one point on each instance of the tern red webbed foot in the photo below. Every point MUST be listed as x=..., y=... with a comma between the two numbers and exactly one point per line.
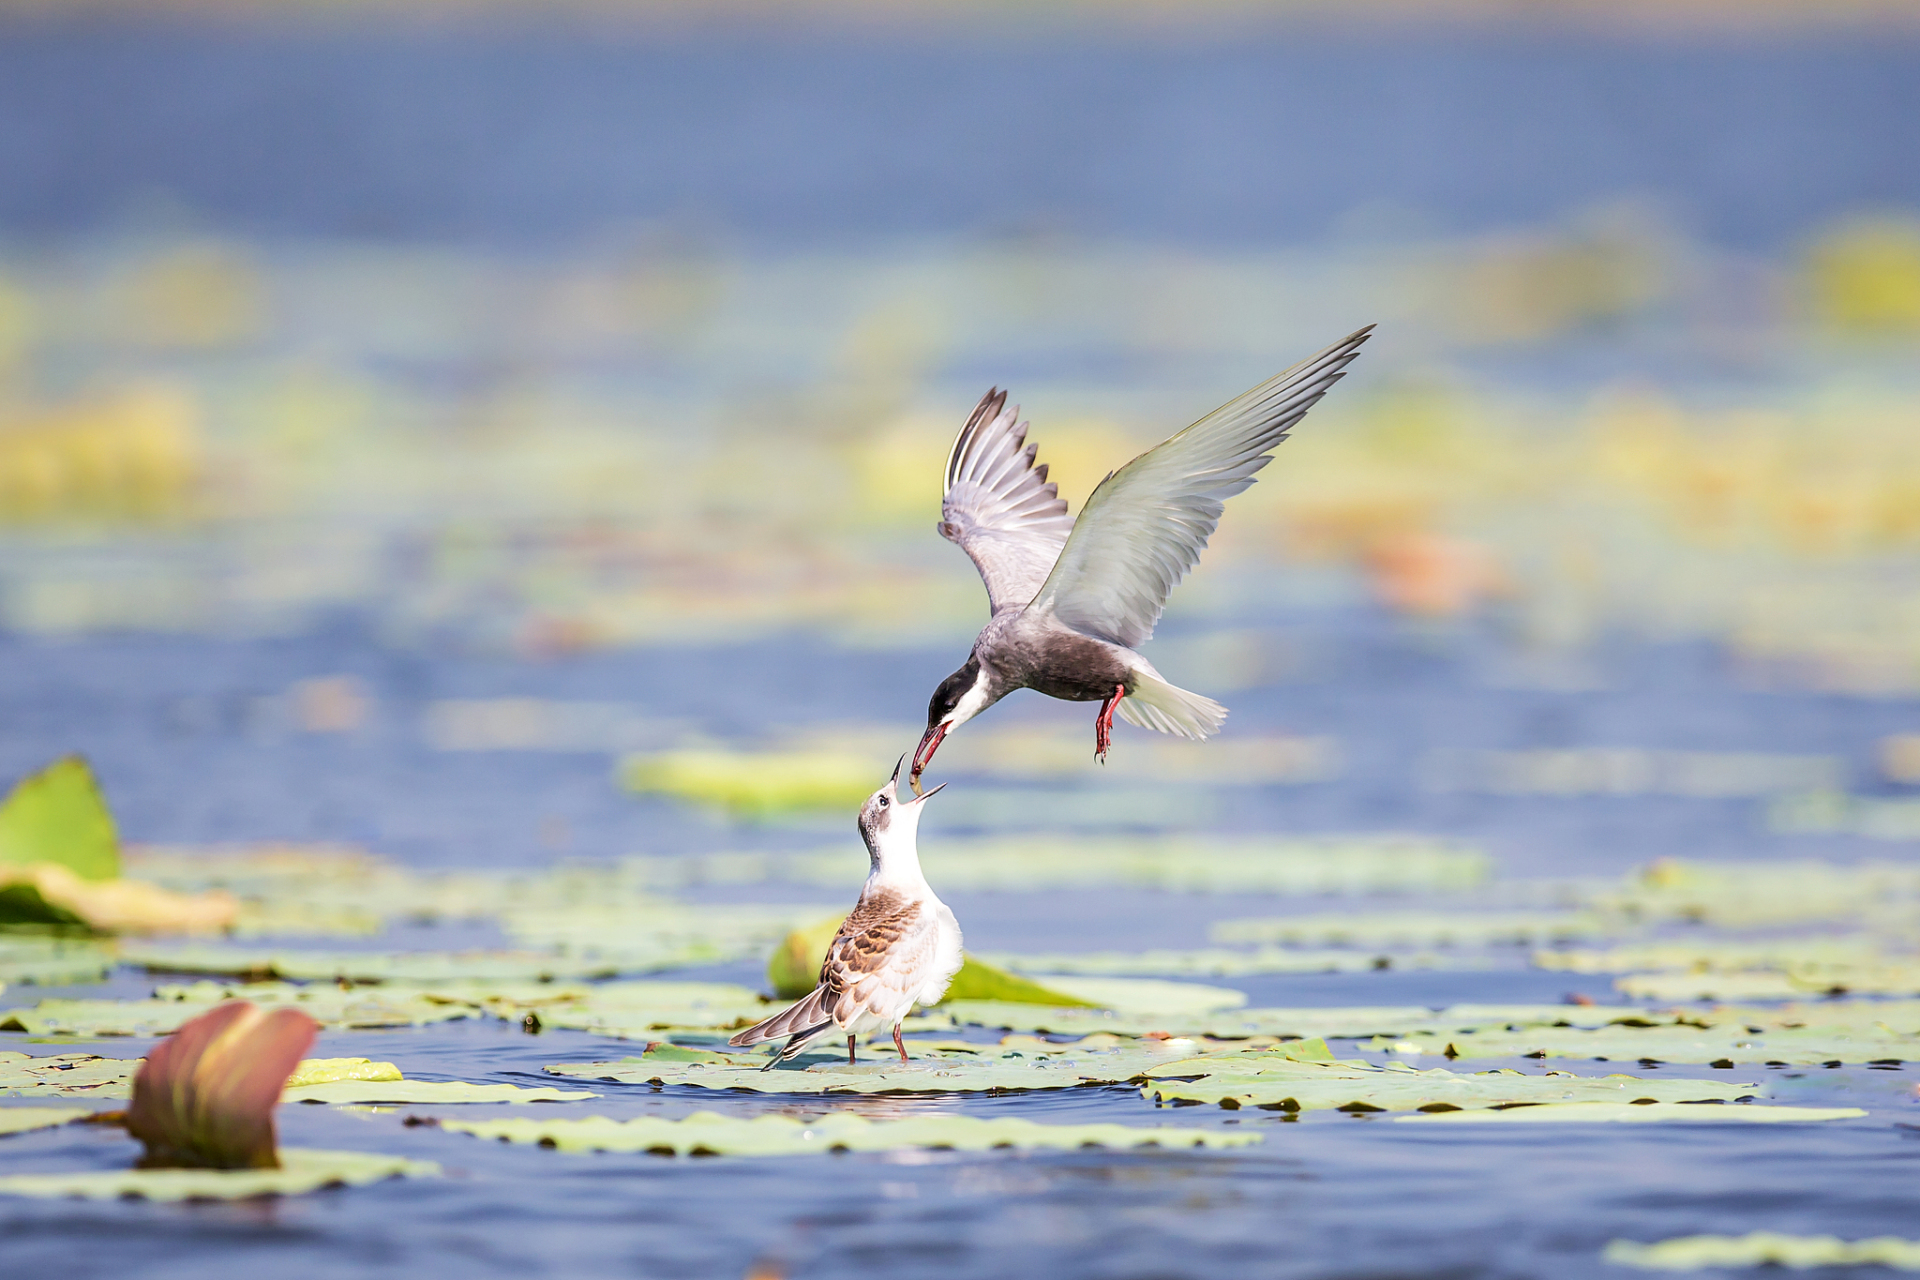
x=1103, y=723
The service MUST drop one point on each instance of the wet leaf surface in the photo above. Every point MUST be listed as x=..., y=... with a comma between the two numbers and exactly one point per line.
x=300, y=1172
x=27, y=1119
x=1644, y=1113
x=1268, y=1079
x=1765, y=1249
x=704, y=1132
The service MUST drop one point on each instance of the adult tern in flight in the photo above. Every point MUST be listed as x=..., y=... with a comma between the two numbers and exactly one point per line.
x=900, y=946
x=1071, y=599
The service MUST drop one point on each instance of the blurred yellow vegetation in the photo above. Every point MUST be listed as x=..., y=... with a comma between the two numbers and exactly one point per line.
x=1864, y=275
x=135, y=455
x=193, y=297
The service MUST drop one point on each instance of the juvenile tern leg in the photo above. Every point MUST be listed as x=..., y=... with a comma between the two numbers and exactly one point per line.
x=1103, y=723
x=899, y=1045
x=849, y=1050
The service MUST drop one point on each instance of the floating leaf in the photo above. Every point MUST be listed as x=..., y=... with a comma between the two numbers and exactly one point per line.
x=1264, y=1079
x=1643, y=1113
x=416, y=967
x=50, y=962
x=427, y=1091
x=1865, y=979
x=1209, y=962
x=22, y=1075
x=205, y=1097
x=27, y=1119
x=1764, y=1249
x=58, y=816
x=1729, y=1043
x=1415, y=928
x=987, y=1069
x=1717, y=954
x=1337, y=1022
x=978, y=980
x=705, y=1133
x=44, y=893
x=329, y=1006
x=757, y=784
x=313, y=1071
x=299, y=1172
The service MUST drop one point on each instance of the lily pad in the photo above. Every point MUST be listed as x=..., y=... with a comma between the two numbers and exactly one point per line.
x=330, y=1006
x=1209, y=962
x=705, y=1133
x=755, y=785
x=1717, y=955
x=426, y=1091
x=1415, y=928
x=1723, y=1042
x=27, y=1119
x=1349, y=865
x=987, y=1069
x=312, y=1071
x=58, y=816
x=299, y=1172
x=85, y=1074
x=419, y=967
x=1275, y=1082
x=1643, y=1113
x=1864, y=979
x=1334, y=1022
x=51, y=961
x=1765, y=1249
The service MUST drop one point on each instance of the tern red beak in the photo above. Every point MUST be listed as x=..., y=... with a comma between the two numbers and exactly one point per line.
x=923, y=754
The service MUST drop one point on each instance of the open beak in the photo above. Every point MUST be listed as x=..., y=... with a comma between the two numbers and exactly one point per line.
x=923, y=754
x=931, y=794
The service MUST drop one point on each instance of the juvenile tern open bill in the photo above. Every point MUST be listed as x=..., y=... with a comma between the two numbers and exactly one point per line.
x=900, y=946
x=1071, y=599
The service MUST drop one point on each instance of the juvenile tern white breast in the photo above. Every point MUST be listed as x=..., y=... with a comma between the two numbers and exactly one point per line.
x=899, y=948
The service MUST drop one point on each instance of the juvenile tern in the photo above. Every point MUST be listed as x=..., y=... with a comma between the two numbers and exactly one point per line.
x=900, y=946
x=1071, y=599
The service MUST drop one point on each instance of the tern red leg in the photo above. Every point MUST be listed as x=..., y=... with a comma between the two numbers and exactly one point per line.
x=849, y=1050
x=899, y=1044
x=1103, y=723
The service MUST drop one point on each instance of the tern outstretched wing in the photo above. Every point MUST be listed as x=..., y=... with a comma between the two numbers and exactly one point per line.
x=1147, y=523
x=999, y=506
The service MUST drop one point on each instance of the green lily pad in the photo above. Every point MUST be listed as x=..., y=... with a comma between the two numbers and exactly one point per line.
x=1718, y=954
x=1349, y=865
x=1765, y=1249
x=1892, y=979
x=1754, y=895
x=1415, y=928
x=757, y=784
x=426, y=1091
x=1643, y=1113
x=1723, y=1042
x=1209, y=962
x=333, y=1070
x=300, y=1171
x=85, y=1074
x=1263, y=1079
x=979, y=980
x=705, y=1133
x=985, y=1069
x=418, y=967
x=58, y=815
x=52, y=961
x=27, y=1119
x=1333, y=1022
x=329, y=1006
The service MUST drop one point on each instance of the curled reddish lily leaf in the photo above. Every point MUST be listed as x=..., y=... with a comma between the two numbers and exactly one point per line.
x=205, y=1096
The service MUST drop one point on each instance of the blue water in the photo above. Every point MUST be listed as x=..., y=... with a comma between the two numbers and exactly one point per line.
x=1327, y=1195
x=1256, y=133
